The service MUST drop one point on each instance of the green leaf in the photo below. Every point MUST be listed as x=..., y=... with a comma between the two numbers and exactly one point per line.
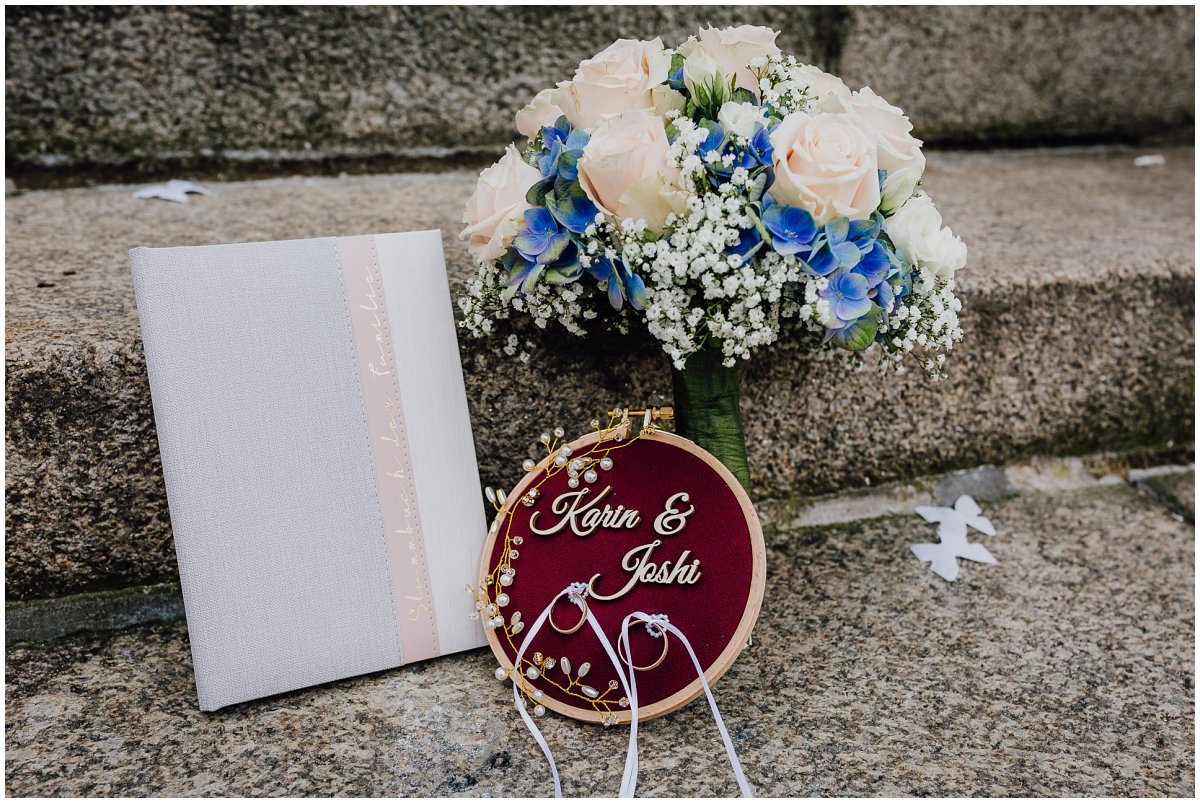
x=758, y=185
x=743, y=96
x=859, y=335
x=537, y=193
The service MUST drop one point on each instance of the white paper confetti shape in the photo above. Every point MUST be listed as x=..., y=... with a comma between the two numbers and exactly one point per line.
x=174, y=190
x=952, y=530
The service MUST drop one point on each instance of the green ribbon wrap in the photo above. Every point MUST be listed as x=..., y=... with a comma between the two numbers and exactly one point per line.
x=707, y=412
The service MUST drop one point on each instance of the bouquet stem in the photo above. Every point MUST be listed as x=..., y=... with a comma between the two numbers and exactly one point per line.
x=706, y=410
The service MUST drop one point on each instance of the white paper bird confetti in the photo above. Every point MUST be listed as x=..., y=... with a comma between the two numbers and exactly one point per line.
x=174, y=190
x=952, y=530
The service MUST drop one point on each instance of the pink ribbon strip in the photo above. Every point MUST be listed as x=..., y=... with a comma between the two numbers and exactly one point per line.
x=411, y=592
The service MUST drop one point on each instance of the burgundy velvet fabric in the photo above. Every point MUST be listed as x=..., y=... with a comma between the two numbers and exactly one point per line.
x=645, y=474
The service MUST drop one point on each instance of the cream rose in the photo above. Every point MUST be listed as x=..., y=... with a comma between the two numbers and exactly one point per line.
x=494, y=210
x=618, y=79
x=898, y=148
x=665, y=100
x=917, y=232
x=826, y=164
x=541, y=112
x=734, y=48
x=626, y=172
x=829, y=91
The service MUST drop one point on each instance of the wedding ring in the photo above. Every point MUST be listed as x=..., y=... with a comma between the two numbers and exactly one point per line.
x=580, y=601
x=621, y=642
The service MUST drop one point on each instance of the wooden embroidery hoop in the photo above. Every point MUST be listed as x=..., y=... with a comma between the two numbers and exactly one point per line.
x=741, y=635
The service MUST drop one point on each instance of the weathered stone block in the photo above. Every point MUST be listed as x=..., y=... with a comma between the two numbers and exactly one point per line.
x=1079, y=339
x=117, y=90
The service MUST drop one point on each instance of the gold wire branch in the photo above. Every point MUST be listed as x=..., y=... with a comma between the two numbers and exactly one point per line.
x=609, y=441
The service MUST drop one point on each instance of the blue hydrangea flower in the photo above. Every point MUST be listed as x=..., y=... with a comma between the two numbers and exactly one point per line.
x=749, y=242
x=847, y=296
x=754, y=156
x=675, y=78
x=540, y=240
x=571, y=206
x=760, y=148
x=792, y=229
x=842, y=244
x=896, y=284
x=875, y=264
x=622, y=283
x=562, y=148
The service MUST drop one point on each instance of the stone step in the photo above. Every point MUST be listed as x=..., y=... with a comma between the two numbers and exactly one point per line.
x=114, y=91
x=1078, y=315
x=1065, y=669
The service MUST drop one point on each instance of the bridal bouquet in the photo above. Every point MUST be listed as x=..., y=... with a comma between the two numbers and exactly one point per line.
x=721, y=194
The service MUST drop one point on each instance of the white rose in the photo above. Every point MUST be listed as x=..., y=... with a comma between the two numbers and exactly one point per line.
x=740, y=118
x=541, y=112
x=618, y=79
x=734, y=48
x=917, y=232
x=626, y=171
x=828, y=90
x=898, y=148
x=827, y=165
x=494, y=210
x=702, y=74
x=900, y=184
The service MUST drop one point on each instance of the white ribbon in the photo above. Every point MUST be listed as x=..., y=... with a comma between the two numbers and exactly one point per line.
x=629, y=779
x=575, y=593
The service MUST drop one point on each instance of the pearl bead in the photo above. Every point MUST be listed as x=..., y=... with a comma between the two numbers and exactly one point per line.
x=606, y=463
x=560, y=461
x=518, y=540
x=532, y=673
x=573, y=482
x=502, y=600
x=498, y=621
x=588, y=691
x=558, y=432
x=539, y=710
x=567, y=451
x=595, y=423
x=501, y=673
x=506, y=580
x=528, y=465
x=544, y=437
x=590, y=475
x=538, y=695
x=491, y=610
x=490, y=624
x=513, y=554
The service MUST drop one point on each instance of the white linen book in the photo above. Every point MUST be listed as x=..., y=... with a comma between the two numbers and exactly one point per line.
x=317, y=453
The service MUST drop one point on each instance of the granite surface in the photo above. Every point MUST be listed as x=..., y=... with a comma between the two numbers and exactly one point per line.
x=118, y=90
x=1078, y=339
x=993, y=74
x=1066, y=669
x=1177, y=490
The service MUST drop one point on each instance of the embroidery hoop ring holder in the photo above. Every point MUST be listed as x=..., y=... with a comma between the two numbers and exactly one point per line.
x=741, y=635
